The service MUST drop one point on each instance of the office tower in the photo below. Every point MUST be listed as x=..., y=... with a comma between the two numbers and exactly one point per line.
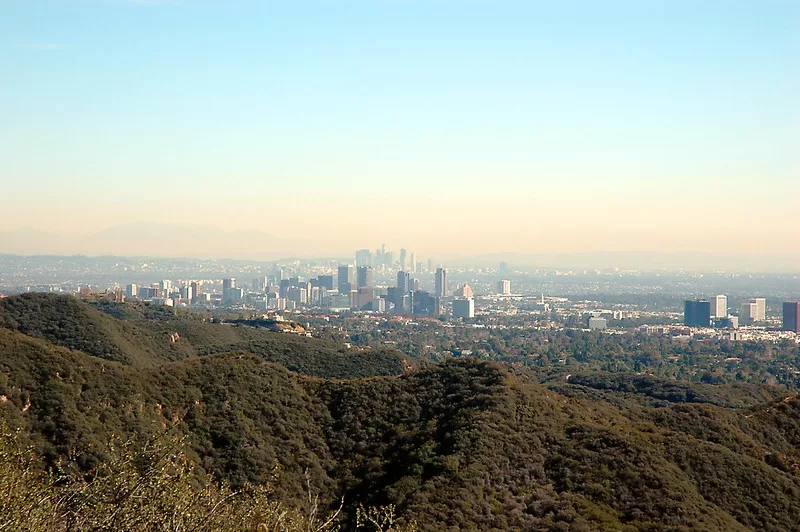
x=283, y=287
x=131, y=291
x=403, y=284
x=719, y=307
x=761, y=308
x=423, y=302
x=232, y=296
x=755, y=310
x=504, y=287
x=297, y=294
x=441, y=282
x=464, y=308
x=326, y=282
x=260, y=284
x=791, y=316
x=413, y=265
x=697, y=313
x=464, y=291
x=363, y=257
x=186, y=292
x=228, y=284
x=430, y=265
x=166, y=287
x=747, y=313
x=196, y=289
x=403, y=253
x=364, y=276
x=345, y=280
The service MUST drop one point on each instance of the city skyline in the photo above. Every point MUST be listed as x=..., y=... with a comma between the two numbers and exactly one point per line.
x=508, y=126
x=197, y=241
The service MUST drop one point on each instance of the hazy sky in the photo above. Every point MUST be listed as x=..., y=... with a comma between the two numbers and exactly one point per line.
x=438, y=125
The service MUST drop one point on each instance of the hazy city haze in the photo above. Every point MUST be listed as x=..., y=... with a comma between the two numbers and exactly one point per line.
x=455, y=128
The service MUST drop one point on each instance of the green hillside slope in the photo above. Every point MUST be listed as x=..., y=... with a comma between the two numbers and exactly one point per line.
x=464, y=445
x=144, y=335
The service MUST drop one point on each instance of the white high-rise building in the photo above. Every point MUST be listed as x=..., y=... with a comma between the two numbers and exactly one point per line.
x=719, y=306
x=748, y=313
x=504, y=287
x=166, y=287
x=761, y=308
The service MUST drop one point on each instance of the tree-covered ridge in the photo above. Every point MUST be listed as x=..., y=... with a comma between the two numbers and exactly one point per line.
x=461, y=445
x=469, y=443
x=144, y=335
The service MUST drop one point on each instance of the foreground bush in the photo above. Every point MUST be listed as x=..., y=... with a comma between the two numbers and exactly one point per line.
x=148, y=487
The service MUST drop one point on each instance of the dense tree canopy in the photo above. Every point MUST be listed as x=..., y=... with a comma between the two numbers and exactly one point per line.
x=461, y=445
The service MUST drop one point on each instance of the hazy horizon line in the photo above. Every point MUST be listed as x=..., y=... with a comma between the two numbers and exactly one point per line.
x=469, y=261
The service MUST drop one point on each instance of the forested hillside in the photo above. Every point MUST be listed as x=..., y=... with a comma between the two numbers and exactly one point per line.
x=146, y=336
x=463, y=445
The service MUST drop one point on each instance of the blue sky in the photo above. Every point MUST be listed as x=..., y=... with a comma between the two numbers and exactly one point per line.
x=383, y=113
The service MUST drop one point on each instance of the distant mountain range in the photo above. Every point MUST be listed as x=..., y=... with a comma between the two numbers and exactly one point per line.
x=155, y=240
x=641, y=260
x=148, y=239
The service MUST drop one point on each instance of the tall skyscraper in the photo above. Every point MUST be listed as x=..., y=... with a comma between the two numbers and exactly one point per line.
x=232, y=296
x=413, y=265
x=166, y=287
x=131, y=291
x=364, y=277
x=363, y=257
x=345, y=280
x=326, y=282
x=791, y=316
x=761, y=308
x=228, y=283
x=719, y=307
x=403, y=284
x=504, y=287
x=441, y=282
x=697, y=313
x=403, y=258
x=196, y=289
x=755, y=310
